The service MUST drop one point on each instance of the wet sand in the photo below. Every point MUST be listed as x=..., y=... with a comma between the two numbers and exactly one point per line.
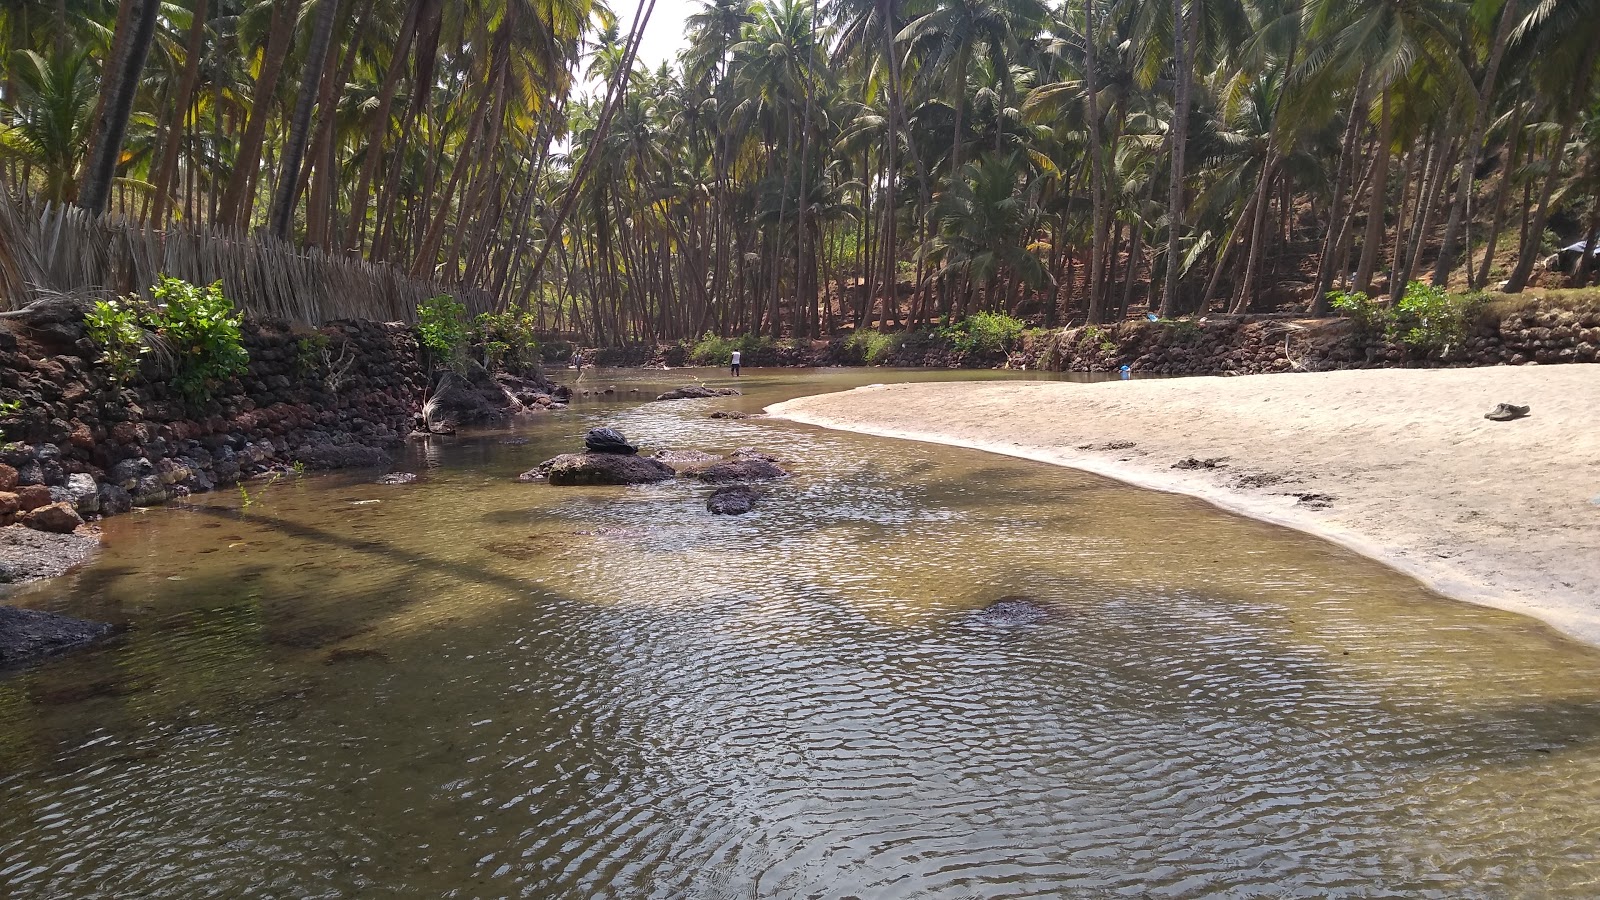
x=1399, y=465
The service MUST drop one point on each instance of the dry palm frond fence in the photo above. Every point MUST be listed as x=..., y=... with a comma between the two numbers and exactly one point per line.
x=62, y=249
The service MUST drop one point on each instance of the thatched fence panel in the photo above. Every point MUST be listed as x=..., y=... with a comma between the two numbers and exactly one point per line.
x=62, y=249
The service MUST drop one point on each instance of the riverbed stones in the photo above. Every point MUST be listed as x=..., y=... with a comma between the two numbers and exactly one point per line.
x=608, y=441
x=28, y=555
x=697, y=392
x=574, y=469
x=733, y=500
x=396, y=478
x=29, y=635
x=729, y=414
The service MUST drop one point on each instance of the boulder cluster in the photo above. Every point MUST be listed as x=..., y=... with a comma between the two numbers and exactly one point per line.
x=610, y=459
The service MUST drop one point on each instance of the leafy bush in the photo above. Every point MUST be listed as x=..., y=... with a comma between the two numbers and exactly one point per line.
x=115, y=327
x=870, y=346
x=442, y=326
x=508, y=339
x=308, y=353
x=712, y=350
x=197, y=328
x=202, y=328
x=985, y=333
x=1432, y=321
x=1370, y=316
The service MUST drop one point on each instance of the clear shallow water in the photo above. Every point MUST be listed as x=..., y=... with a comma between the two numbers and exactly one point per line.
x=471, y=687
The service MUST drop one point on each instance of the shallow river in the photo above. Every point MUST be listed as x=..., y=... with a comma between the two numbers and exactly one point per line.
x=476, y=688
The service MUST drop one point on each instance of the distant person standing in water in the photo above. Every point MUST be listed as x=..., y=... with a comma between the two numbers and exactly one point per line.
x=577, y=360
x=736, y=364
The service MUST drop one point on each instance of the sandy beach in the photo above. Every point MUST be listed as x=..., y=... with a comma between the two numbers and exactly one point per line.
x=1399, y=465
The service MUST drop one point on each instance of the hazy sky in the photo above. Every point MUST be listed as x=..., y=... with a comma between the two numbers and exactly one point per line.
x=667, y=32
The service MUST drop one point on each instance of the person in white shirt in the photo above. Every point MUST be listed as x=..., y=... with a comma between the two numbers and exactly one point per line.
x=736, y=364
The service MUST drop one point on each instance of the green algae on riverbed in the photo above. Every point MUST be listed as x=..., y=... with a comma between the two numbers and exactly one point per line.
x=474, y=686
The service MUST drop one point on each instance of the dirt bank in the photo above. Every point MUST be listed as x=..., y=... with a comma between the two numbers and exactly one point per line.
x=1399, y=465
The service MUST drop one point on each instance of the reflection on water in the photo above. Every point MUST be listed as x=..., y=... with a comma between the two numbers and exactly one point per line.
x=471, y=687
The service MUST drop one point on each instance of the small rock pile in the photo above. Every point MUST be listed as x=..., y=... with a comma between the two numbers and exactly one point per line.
x=609, y=459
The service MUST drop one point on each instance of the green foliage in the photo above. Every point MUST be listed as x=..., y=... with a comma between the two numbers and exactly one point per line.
x=870, y=346
x=116, y=328
x=202, y=328
x=508, y=339
x=712, y=350
x=442, y=325
x=9, y=408
x=308, y=353
x=196, y=326
x=1433, y=321
x=1427, y=320
x=1098, y=337
x=985, y=333
x=1368, y=315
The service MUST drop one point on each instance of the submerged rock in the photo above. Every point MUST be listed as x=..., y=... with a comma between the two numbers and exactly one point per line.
x=29, y=635
x=733, y=500
x=398, y=478
x=729, y=414
x=688, y=462
x=600, y=469
x=1007, y=612
x=28, y=555
x=608, y=440
x=740, y=467
x=697, y=392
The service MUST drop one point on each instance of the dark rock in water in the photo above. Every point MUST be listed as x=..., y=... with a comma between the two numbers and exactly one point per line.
x=608, y=440
x=733, y=500
x=342, y=456
x=1007, y=612
x=729, y=414
x=28, y=635
x=1506, y=412
x=398, y=478
x=688, y=462
x=742, y=468
x=603, y=469
x=698, y=392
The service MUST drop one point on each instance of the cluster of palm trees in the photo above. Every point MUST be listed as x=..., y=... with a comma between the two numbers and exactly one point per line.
x=810, y=165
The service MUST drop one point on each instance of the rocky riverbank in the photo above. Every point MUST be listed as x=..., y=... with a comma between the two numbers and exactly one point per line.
x=1505, y=332
x=1401, y=466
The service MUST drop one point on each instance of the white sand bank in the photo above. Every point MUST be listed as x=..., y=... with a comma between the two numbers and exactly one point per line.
x=1503, y=514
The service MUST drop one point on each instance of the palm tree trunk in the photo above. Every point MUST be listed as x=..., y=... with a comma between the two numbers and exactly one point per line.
x=379, y=125
x=116, y=96
x=168, y=167
x=1480, y=127
x=1371, y=244
x=239, y=197
x=1182, y=66
x=1535, y=234
x=294, y=153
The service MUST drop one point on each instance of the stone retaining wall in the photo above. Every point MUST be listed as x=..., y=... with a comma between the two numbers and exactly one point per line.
x=80, y=441
x=1536, y=332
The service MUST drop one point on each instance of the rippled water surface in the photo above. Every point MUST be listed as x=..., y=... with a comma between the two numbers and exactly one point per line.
x=473, y=688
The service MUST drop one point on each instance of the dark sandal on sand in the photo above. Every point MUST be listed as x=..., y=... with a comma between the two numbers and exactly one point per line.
x=1505, y=412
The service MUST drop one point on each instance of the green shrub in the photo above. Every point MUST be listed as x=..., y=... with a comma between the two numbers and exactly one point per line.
x=1369, y=316
x=870, y=346
x=116, y=328
x=308, y=353
x=442, y=326
x=713, y=350
x=1431, y=320
x=985, y=333
x=508, y=338
x=202, y=328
